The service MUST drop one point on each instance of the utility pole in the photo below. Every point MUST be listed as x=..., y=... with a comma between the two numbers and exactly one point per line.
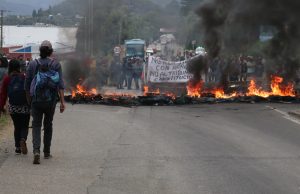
x=120, y=31
x=1, y=27
x=91, y=28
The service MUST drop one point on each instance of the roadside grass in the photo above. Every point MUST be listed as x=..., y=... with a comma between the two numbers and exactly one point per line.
x=4, y=121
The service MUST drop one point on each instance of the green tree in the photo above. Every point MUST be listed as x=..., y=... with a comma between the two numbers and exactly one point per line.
x=40, y=12
x=49, y=11
x=34, y=13
x=115, y=19
x=189, y=5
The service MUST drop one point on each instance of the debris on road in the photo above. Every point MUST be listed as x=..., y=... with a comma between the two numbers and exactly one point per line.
x=279, y=93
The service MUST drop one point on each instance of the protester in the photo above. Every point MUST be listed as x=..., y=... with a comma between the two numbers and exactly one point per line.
x=137, y=72
x=22, y=63
x=3, y=68
x=243, y=69
x=129, y=72
x=43, y=97
x=122, y=77
x=115, y=71
x=13, y=88
x=27, y=62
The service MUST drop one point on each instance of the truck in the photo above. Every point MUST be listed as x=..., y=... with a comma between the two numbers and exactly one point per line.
x=135, y=48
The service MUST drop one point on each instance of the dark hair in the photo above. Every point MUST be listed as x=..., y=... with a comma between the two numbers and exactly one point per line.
x=14, y=66
x=45, y=52
x=4, y=62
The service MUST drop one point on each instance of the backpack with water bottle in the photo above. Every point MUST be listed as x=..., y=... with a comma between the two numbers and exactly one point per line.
x=44, y=86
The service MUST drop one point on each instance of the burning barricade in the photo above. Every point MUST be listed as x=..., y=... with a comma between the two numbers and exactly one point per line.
x=196, y=93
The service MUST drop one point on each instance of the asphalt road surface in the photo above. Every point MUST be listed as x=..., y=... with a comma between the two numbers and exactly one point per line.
x=229, y=148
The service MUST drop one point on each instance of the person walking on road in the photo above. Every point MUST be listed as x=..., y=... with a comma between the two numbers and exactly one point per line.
x=43, y=85
x=3, y=68
x=13, y=88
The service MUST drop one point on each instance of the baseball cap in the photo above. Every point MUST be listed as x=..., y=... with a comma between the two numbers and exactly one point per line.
x=46, y=43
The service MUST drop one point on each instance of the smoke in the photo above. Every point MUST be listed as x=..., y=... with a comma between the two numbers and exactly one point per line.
x=233, y=27
x=75, y=70
x=197, y=66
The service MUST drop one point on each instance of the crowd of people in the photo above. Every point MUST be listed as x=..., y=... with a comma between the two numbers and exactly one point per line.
x=4, y=64
x=123, y=73
x=235, y=68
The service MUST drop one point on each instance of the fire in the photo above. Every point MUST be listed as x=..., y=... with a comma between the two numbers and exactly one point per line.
x=253, y=90
x=194, y=90
x=170, y=94
x=219, y=93
x=157, y=91
x=146, y=90
x=94, y=91
x=277, y=88
x=117, y=94
x=81, y=90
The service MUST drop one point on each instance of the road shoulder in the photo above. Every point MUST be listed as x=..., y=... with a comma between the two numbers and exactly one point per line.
x=5, y=140
x=295, y=113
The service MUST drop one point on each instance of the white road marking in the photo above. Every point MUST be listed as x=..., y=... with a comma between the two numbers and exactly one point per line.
x=285, y=115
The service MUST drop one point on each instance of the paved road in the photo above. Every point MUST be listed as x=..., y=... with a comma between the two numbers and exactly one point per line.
x=231, y=148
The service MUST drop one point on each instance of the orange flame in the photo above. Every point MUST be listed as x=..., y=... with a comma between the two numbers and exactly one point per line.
x=80, y=90
x=219, y=93
x=282, y=90
x=253, y=90
x=277, y=89
x=157, y=91
x=194, y=90
x=146, y=90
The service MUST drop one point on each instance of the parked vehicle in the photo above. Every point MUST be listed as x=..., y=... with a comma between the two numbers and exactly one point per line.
x=135, y=48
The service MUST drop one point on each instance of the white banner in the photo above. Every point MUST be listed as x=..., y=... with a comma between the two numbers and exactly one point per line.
x=160, y=71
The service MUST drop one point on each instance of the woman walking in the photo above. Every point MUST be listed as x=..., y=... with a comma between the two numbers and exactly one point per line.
x=13, y=89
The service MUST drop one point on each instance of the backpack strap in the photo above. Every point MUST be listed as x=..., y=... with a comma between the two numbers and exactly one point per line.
x=39, y=65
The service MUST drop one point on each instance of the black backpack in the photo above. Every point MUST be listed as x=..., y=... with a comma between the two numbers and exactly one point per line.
x=16, y=92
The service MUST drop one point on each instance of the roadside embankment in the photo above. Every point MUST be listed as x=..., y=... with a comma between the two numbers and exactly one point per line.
x=5, y=141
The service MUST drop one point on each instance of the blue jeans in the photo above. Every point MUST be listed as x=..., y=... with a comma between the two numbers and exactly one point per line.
x=42, y=113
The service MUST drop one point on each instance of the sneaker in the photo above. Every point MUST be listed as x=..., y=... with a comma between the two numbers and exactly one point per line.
x=24, y=149
x=36, y=158
x=18, y=151
x=47, y=155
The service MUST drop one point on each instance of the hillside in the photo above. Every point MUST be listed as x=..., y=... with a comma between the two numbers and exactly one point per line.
x=21, y=7
x=161, y=2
